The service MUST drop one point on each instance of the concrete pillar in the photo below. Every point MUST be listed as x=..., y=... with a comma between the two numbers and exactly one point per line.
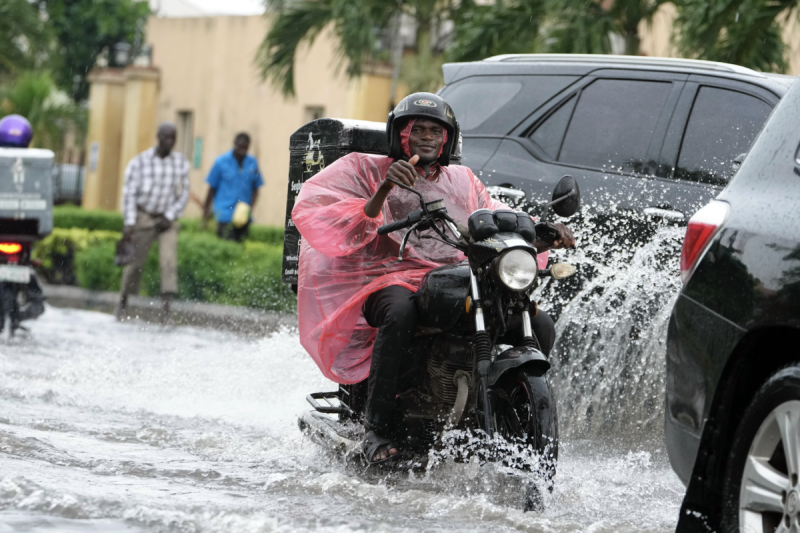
x=106, y=95
x=139, y=118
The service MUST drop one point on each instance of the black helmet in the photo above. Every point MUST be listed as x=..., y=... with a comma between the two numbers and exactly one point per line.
x=423, y=105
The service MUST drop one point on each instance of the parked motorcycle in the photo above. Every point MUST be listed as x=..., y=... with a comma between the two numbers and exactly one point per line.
x=462, y=376
x=26, y=216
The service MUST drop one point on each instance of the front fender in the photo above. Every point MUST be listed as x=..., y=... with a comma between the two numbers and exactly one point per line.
x=515, y=358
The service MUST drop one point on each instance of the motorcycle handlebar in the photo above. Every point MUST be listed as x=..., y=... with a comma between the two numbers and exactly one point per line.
x=394, y=226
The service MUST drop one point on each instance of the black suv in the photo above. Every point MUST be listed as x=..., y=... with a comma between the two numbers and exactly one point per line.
x=653, y=136
x=733, y=346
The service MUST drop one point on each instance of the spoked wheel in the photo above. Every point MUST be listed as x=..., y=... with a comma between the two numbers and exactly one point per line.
x=526, y=412
x=762, y=487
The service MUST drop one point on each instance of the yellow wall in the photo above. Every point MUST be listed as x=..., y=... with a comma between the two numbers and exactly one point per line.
x=106, y=99
x=139, y=119
x=207, y=68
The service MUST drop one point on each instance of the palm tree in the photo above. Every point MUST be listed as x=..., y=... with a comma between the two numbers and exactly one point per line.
x=745, y=32
x=22, y=35
x=361, y=28
x=556, y=26
x=50, y=111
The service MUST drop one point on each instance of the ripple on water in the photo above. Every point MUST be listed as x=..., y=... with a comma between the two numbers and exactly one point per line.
x=135, y=428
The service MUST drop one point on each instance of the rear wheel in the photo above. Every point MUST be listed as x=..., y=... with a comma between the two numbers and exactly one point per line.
x=8, y=329
x=8, y=299
x=762, y=490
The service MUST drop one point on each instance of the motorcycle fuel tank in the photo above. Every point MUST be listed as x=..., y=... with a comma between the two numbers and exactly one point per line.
x=442, y=296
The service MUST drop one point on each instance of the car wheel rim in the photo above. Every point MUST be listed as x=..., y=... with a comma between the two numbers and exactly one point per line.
x=769, y=499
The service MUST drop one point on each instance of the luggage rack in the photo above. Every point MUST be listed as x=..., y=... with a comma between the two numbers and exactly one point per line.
x=334, y=408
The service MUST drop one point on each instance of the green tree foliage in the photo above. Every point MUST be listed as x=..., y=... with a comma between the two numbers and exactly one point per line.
x=359, y=26
x=506, y=27
x=23, y=35
x=84, y=28
x=554, y=26
x=744, y=32
x=36, y=97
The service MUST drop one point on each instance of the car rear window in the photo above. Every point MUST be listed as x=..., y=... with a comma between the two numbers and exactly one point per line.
x=723, y=125
x=497, y=104
x=613, y=123
x=475, y=102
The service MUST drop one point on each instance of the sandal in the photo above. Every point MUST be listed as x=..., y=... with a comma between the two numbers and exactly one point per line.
x=370, y=445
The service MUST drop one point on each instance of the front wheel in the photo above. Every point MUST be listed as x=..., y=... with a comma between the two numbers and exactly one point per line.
x=525, y=411
x=762, y=490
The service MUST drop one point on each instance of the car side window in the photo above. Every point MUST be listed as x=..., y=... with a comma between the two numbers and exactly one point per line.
x=550, y=133
x=606, y=133
x=722, y=125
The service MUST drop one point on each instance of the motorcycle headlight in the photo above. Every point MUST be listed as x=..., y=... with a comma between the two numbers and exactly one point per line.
x=517, y=269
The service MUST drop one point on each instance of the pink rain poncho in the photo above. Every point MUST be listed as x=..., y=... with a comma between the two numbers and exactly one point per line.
x=343, y=260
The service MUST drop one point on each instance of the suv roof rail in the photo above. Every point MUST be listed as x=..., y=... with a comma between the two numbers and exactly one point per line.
x=629, y=60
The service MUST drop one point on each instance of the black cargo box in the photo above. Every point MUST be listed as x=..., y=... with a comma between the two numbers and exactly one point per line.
x=314, y=146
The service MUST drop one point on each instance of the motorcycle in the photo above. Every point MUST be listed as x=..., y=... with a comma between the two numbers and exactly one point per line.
x=462, y=376
x=26, y=215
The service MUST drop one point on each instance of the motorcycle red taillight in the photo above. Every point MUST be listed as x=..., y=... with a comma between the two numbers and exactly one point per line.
x=701, y=229
x=10, y=248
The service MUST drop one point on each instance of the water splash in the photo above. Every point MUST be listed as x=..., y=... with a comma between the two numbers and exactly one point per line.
x=609, y=357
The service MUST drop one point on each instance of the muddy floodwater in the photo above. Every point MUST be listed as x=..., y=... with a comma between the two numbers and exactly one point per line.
x=108, y=427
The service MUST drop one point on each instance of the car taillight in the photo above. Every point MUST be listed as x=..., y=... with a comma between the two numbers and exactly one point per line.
x=701, y=229
x=10, y=248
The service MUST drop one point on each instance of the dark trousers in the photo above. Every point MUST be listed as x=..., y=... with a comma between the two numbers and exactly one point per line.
x=229, y=232
x=393, y=311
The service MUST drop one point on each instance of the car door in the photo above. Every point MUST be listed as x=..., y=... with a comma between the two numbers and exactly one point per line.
x=715, y=123
x=605, y=131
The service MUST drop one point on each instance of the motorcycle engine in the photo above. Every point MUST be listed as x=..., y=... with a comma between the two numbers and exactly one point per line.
x=448, y=355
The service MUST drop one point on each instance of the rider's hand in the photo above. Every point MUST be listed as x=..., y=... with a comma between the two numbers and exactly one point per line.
x=565, y=238
x=402, y=172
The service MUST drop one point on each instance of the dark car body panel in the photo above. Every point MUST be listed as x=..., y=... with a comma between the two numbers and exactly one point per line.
x=727, y=328
x=501, y=152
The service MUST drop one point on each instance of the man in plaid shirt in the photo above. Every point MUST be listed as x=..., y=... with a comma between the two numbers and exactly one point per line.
x=154, y=197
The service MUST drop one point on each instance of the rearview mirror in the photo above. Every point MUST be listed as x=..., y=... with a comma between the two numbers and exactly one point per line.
x=566, y=197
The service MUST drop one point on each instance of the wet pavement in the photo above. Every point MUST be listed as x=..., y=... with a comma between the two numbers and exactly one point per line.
x=131, y=427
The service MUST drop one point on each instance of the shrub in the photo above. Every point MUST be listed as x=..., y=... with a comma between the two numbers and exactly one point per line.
x=70, y=216
x=57, y=251
x=209, y=269
x=93, y=269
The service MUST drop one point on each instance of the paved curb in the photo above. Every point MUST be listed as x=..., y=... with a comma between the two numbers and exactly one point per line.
x=238, y=319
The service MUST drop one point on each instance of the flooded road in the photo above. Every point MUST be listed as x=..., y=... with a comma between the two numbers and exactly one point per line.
x=129, y=427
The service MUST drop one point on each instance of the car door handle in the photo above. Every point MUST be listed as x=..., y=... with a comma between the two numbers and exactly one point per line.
x=668, y=214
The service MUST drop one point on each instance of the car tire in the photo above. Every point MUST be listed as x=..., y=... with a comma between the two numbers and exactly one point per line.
x=761, y=490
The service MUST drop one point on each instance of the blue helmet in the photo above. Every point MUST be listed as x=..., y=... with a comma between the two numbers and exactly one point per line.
x=15, y=132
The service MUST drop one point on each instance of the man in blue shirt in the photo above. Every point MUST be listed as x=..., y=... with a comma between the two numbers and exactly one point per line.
x=234, y=178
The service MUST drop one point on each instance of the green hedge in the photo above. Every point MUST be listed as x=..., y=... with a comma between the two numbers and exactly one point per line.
x=209, y=269
x=70, y=216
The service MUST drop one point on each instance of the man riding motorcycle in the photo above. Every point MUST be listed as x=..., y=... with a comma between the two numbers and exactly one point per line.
x=351, y=281
x=16, y=133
